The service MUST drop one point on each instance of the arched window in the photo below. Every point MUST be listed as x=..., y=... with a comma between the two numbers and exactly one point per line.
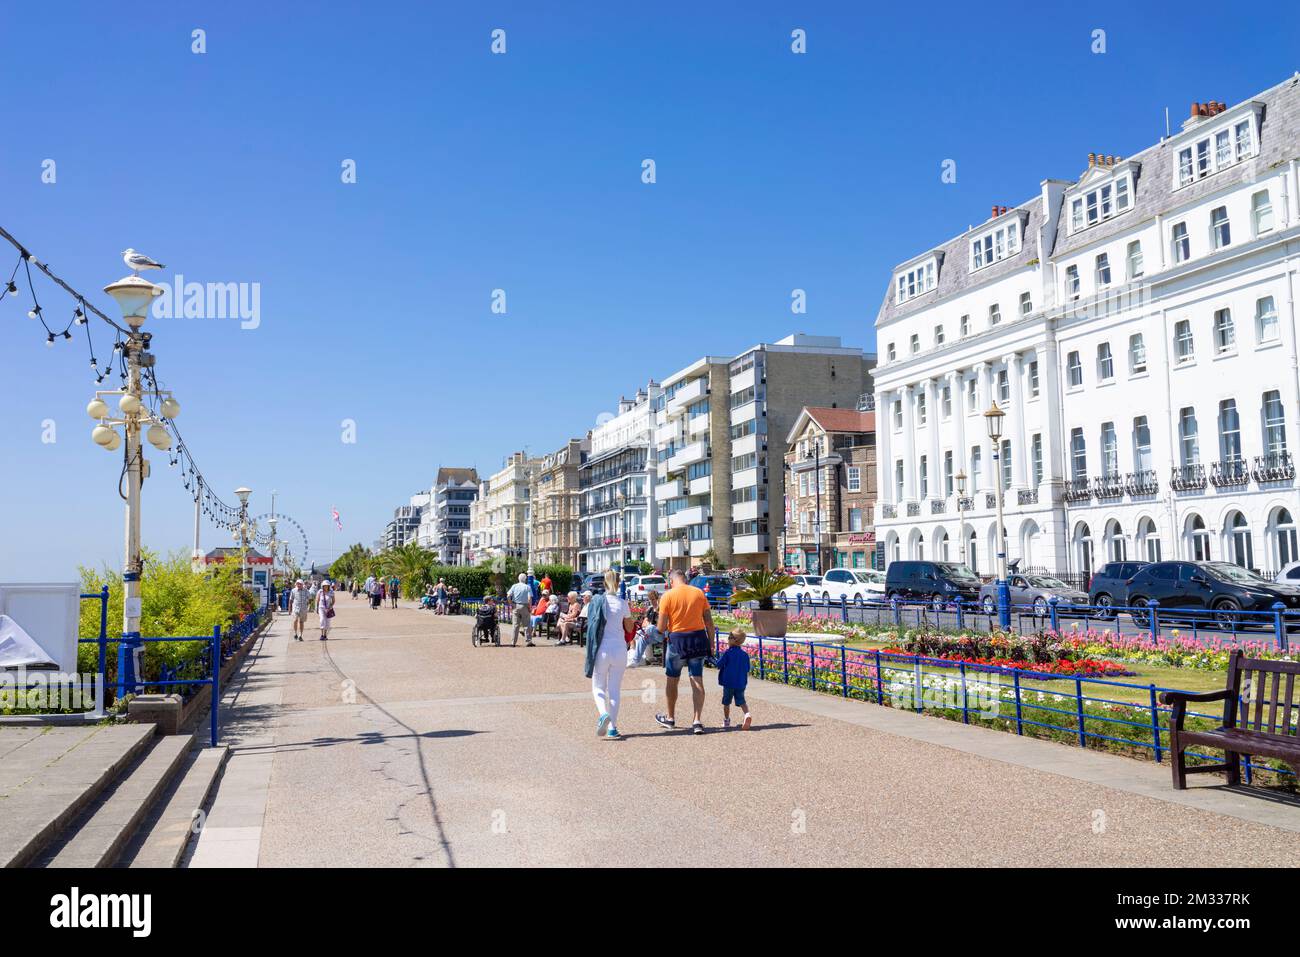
x=1083, y=541
x=1148, y=540
x=941, y=546
x=1116, y=546
x=1284, y=536
x=1199, y=538
x=1239, y=541
x=972, y=553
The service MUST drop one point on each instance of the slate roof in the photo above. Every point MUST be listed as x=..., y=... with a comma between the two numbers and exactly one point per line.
x=955, y=275
x=1279, y=141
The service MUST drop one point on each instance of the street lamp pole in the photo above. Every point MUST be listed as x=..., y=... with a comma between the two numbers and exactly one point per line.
x=993, y=417
x=961, y=512
x=243, y=494
x=134, y=295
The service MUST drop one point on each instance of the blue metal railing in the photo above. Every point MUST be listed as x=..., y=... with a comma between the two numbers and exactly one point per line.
x=1273, y=625
x=218, y=649
x=1086, y=713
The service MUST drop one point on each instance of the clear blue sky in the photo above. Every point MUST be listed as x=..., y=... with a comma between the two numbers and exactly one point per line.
x=520, y=172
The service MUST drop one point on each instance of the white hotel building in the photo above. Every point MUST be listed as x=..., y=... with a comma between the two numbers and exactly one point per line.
x=1138, y=327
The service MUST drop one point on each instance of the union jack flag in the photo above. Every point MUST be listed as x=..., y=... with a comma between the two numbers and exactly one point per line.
x=335, y=513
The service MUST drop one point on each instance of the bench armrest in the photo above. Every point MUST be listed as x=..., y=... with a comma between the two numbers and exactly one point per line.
x=1182, y=697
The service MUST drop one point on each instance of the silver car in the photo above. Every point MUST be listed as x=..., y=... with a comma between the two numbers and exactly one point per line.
x=1032, y=591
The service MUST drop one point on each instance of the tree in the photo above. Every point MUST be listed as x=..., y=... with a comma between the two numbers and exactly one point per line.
x=411, y=564
x=351, y=564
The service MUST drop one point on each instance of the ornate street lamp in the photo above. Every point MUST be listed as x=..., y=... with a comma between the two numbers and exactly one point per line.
x=961, y=512
x=993, y=419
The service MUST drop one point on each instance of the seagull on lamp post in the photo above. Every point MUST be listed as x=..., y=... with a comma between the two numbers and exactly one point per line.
x=138, y=261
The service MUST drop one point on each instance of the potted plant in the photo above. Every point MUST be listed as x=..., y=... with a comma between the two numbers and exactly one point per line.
x=763, y=585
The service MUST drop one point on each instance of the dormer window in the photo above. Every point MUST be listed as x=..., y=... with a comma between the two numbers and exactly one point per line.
x=995, y=245
x=1102, y=201
x=915, y=281
x=1215, y=150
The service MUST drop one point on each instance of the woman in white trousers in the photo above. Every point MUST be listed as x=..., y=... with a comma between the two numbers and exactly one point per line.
x=607, y=654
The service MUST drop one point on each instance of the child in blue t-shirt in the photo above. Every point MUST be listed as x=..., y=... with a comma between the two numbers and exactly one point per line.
x=733, y=675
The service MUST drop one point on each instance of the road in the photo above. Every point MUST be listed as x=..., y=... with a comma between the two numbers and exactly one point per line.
x=398, y=743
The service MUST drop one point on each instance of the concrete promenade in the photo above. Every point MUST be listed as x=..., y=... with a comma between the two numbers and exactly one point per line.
x=397, y=743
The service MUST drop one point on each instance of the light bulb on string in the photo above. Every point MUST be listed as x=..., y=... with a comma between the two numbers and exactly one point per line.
x=34, y=312
x=12, y=289
x=49, y=340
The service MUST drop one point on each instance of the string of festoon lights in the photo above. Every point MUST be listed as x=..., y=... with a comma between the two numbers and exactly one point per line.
x=164, y=409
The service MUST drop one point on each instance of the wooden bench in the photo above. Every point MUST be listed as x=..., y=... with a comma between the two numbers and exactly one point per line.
x=1246, y=730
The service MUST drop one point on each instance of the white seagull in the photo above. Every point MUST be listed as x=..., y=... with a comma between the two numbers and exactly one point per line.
x=137, y=261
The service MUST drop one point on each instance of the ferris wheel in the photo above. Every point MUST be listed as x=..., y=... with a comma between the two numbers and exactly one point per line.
x=290, y=537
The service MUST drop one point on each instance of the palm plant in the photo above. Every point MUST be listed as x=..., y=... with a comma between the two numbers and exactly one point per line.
x=411, y=564
x=762, y=585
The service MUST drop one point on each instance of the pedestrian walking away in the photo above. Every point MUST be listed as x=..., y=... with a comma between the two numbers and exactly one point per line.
x=325, y=608
x=685, y=618
x=522, y=597
x=733, y=676
x=299, y=601
x=394, y=590
x=608, y=621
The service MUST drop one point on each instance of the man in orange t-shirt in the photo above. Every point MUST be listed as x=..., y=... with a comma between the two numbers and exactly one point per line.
x=684, y=615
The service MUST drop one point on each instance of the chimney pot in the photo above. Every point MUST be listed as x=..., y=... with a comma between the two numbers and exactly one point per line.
x=994, y=213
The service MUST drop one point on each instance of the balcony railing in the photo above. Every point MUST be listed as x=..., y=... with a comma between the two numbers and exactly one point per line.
x=889, y=511
x=965, y=503
x=1108, y=486
x=1027, y=496
x=913, y=509
x=1274, y=467
x=1229, y=474
x=1187, y=478
x=1078, y=490
x=990, y=499
x=1142, y=482
x=938, y=506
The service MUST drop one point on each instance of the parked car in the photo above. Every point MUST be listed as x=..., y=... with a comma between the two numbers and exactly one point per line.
x=593, y=582
x=805, y=587
x=1034, y=591
x=1206, y=589
x=939, y=582
x=1289, y=575
x=718, y=588
x=1109, y=586
x=640, y=586
x=852, y=584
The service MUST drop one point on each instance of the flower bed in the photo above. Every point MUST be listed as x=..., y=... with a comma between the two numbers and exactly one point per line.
x=1065, y=667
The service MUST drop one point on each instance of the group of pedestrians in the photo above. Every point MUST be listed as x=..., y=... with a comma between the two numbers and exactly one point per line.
x=377, y=590
x=685, y=623
x=302, y=599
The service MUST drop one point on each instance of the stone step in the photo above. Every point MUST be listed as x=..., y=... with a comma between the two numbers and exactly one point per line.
x=102, y=831
x=162, y=838
x=49, y=779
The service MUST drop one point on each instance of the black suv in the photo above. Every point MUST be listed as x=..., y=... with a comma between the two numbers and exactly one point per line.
x=1110, y=585
x=940, y=582
x=1206, y=590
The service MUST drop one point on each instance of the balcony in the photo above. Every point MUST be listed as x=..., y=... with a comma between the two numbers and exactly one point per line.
x=1274, y=467
x=1187, y=478
x=1078, y=490
x=744, y=511
x=938, y=506
x=888, y=510
x=675, y=488
x=743, y=413
x=749, y=544
x=700, y=486
x=913, y=509
x=1231, y=473
x=965, y=503
x=1108, y=486
x=990, y=499
x=699, y=546
x=698, y=425
x=744, y=445
x=672, y=548
x=1141, y=482
x=695, y=452
x=743, y=380
x=695, y=515
x=695, y=389
x=1027, y=496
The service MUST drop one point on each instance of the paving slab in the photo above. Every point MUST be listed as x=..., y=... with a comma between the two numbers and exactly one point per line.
x=398, y=743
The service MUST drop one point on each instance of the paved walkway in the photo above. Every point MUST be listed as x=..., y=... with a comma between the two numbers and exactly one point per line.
x=398, y=743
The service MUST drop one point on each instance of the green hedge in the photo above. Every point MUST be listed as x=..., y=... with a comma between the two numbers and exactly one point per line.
x=474, y=581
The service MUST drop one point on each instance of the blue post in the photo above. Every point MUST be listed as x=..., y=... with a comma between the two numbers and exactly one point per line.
x=844, y=608
x=1015, y=680
x=961, y=615
x=128, y=653
x=785, y=661
x=1155, y=618
x=812, y=666
x=880, y=686
x=1279, y=629
x=1078, y=697
x=103, y=638
x=216, y=680
x=1004, y=603
x=760, y=657
x=965, y=713
x=798, y=604
x=1155, y=724
x=844, y=671
x=898, y=615
x=1051, y=610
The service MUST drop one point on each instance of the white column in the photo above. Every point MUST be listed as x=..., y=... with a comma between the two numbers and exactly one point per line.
x=884, y=453
x=1019, y=449
x=909, y=445
x=957, y=383
x=933, y=415
x=984, y=396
